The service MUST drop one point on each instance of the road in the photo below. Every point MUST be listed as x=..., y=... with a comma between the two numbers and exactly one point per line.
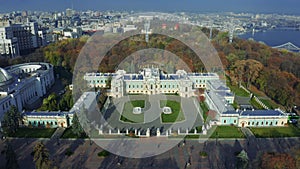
x=221, y=154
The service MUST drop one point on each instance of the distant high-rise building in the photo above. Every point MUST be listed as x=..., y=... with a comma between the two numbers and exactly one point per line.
x=24, y=13
x=18, y=39
x=69, y=12
x=8, y=44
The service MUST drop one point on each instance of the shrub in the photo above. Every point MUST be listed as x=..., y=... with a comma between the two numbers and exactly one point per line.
x=69, y=152
x=203, y=154
x=103, y=153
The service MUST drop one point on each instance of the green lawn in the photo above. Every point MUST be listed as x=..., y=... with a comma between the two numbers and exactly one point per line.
x=288, y=131
x=205, y=109
x=128, y=116
x=269, y=103
x=176, y=115
x=137, y=103
x=227, y=132
x=34, y=133
x=69, y=134
x=190, y=136
x=238, y=91
x=256, y=105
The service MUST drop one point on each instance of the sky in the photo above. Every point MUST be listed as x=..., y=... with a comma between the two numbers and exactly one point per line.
x=254, y=6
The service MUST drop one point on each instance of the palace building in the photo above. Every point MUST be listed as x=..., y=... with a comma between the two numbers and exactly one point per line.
x=154, y=81
x=217, y=95
x=23, y=84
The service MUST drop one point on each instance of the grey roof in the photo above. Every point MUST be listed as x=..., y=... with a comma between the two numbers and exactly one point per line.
x=262, y=113
x=57, y=113
x=231, y=112
x=5, y=77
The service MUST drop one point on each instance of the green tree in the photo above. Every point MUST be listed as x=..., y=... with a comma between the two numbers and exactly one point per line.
x=50, y=103
x=41, y=156
x=242, y=160
x=11, y=121
x=11, y=158
x=83, y=119
x=66, y=102
x=76, y=127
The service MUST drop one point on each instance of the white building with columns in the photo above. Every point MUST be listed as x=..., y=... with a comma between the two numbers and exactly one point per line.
x=152, y=81
x=21, y=85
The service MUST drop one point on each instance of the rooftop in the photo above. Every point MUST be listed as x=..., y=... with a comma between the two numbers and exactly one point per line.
x=262, y=113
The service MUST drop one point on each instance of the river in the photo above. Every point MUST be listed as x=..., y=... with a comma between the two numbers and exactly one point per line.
x=275, y=37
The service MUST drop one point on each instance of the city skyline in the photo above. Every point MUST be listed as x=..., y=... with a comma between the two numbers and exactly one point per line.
x=254, y=6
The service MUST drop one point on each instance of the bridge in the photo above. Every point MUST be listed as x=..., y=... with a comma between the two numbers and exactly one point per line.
x=288, y=46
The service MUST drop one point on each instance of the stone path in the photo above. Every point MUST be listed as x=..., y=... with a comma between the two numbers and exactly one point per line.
x=247, y=132
x=58, y=133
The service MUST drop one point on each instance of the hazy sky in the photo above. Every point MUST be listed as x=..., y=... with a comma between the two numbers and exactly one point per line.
x=257, y=6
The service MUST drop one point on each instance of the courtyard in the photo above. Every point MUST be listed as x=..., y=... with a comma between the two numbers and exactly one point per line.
x=120, y=114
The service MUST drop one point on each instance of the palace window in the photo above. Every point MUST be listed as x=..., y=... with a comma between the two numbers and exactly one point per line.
x=282, y=123
x=271, y=123
x=262, y=123
x=249, y=123
x=224, y=121
x=253, y=123
x=234, y=121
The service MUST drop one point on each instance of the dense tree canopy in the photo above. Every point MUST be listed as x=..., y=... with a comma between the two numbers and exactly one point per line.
x=246, y=61
x=11, y=121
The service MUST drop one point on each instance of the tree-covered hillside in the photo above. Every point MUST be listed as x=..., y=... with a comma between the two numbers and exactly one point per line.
x=274, y=72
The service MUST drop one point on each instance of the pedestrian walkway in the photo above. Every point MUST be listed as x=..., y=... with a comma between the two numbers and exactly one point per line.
x=247, y=132
x=58, y=133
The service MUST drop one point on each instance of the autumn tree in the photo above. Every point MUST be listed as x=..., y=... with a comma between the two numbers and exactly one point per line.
x=277, y=161
x=246, y=71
